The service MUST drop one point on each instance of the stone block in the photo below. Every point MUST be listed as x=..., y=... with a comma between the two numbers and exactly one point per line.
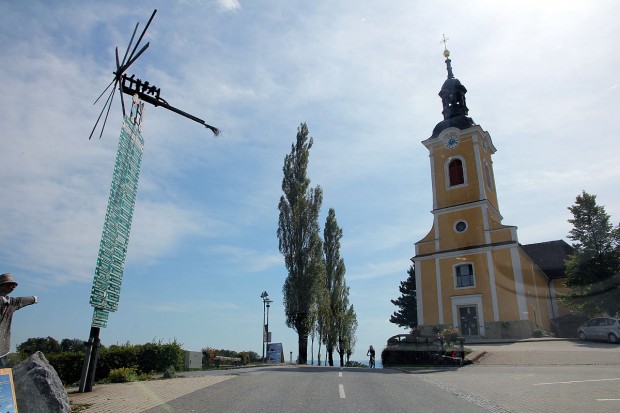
x=38, y=389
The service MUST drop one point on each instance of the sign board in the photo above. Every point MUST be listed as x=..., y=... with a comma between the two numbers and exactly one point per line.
x=275, y=353
x=8, y=402
x=105, y=292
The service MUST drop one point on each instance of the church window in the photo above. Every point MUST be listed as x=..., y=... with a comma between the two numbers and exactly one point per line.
x=460, y=226
x=455, y=171
x=487, y=172
x=464, y=275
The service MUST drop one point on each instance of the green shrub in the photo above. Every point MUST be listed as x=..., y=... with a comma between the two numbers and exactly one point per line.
x=537, y=333
x=123, y=375
x=448, y=335
x=158, y=356
x=355, y=364
x=116, y=357
x=170, y=373
x=68, y=365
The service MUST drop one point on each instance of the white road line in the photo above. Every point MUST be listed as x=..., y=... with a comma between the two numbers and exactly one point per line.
x=576, y=381
x=340, y=374
x=608, y=400
x=341, y=390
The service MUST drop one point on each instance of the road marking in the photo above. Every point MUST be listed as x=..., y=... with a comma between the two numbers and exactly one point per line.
x=608, y=400
x=576, y=381
x=340, y=374
x=341, y=390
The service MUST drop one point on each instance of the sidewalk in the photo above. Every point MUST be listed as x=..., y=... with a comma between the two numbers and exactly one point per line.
x=138, y=396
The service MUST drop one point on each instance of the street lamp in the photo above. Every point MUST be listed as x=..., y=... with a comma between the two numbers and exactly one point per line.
x=268, y=302
x=264, y=296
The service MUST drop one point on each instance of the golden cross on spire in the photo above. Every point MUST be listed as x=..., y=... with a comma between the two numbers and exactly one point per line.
x=444, y=40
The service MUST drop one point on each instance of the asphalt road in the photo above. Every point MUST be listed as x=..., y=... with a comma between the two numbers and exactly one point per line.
x=551, y=376
x=321, y=389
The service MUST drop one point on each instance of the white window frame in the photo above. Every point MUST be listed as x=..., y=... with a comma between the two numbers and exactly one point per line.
x=446, y=168
x=455, y=275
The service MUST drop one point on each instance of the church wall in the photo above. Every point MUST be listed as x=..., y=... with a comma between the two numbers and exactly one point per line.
x=481, y=284
x=559, y=287
x=429, y=291
x=535, y=284
x=449, y=196
x=451, y=239
x=505, y=285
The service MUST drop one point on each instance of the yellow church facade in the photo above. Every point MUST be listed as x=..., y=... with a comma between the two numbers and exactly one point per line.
x=471, y=271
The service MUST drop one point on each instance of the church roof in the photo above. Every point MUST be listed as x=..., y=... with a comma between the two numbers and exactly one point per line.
x=550, y=257
x=455, y=109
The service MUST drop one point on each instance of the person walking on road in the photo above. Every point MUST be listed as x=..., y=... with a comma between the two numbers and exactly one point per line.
x=371, y=353
x=8, y=305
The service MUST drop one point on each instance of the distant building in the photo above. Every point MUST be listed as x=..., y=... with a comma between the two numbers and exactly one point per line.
x=471, y=272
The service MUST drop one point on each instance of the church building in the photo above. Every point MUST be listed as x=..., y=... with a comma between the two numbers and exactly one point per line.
x=471, y=272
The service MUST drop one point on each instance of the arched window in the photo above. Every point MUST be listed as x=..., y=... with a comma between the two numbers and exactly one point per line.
x=455, y=171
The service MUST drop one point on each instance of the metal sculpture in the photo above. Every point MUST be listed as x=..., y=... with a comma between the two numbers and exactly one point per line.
x=131, y=86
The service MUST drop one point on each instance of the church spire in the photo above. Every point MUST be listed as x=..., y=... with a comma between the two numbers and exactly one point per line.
x=452, y=96
x=446, y=54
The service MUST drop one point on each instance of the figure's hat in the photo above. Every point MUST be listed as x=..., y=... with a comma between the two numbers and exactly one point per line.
x=7, y=279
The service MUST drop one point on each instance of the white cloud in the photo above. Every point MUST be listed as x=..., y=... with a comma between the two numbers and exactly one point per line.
x=229, y=5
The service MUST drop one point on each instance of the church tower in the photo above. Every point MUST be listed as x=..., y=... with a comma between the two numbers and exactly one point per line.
x=471, y=272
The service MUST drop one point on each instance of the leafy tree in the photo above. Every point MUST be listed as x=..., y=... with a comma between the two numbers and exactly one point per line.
x=299, y=239
x=336, y=286
x=47, y=345
x=407, y=315
x=349, y=335
x=593, y=271
x=74, y=344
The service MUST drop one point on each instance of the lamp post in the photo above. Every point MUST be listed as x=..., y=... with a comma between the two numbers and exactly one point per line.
x=264, y=296
x=268, y=302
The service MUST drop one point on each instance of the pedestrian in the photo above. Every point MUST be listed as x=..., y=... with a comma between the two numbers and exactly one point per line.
x=8, y=305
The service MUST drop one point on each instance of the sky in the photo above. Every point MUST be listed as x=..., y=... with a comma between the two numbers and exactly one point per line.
x=364, y=75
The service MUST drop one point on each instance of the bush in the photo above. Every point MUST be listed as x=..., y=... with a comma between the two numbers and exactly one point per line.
x=123, y=375
x=68, y=365
x=116, y=357
x=537, y=333
x=448, y=335
x=355, y=364
x=170, y=373
x=158, y=356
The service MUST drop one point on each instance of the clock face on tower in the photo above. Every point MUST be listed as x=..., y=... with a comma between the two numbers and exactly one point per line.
x=451, y=141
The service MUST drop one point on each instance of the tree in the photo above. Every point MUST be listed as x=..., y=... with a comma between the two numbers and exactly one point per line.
x=349, y=335
x=335, y=283
x=299, y=239
x=45, y=345
x=593, y=270
x=407, y=315
x=74, y=344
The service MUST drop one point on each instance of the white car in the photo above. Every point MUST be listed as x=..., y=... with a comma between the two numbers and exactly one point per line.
x=600, y=328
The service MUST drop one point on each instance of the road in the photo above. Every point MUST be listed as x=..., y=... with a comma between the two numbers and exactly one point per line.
x=321, y=389
x=548, y=376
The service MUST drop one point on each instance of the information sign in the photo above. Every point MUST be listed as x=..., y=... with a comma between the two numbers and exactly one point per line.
x=105, y=292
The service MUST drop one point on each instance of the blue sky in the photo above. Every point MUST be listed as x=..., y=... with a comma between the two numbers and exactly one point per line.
x=364, y=75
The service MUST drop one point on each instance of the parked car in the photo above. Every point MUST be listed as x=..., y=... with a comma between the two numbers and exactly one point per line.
x=600, y=328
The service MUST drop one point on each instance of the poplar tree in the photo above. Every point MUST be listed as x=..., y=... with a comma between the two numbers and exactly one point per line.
x=407, y=314
x=299, y=239
x=593, y=270
x=334, y=274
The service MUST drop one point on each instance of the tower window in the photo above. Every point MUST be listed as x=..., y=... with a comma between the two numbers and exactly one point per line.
x=487, y=172
x=464, y=275
x=455, y=171
x=460, y=226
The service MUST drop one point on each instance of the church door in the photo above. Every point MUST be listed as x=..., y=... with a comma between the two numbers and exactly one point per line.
x=468, y=321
